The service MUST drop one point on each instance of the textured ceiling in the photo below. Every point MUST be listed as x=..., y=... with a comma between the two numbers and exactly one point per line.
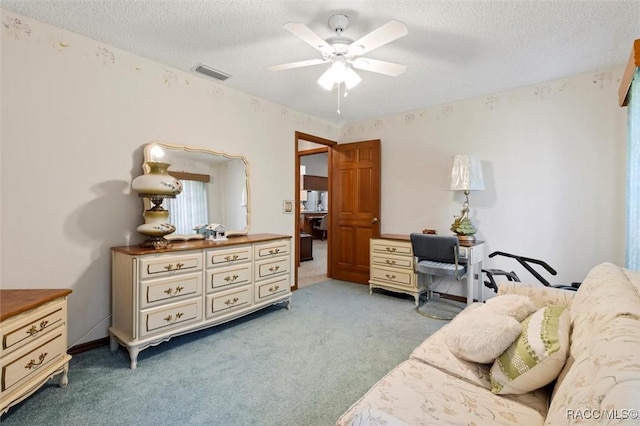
x=454, y=50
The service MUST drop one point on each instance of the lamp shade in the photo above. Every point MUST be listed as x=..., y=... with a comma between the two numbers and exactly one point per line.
x=466, y=174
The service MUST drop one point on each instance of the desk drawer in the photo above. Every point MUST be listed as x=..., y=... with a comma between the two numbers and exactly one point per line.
x=391, y=261
x=27, y=327
x=391, y=247
x=47, y=350
x=394, y=276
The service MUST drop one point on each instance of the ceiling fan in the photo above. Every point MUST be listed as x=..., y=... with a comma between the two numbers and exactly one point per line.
x=344, y=54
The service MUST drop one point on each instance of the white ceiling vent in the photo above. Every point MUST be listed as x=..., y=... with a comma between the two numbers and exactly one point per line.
x=211, y=72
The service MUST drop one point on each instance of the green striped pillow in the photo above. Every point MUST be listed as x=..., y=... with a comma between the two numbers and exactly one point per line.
x=537, y=356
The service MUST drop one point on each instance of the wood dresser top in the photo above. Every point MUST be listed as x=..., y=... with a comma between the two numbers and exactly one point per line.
x=14, y=302
x=201, y=244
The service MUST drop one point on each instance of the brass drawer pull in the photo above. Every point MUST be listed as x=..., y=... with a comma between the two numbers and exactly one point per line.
x=170, y=291
x=231, y=279
x=33, y=364
x=231, y=258
x=390, y=262
x=231, y=302
x=169, y=318
x=390, y=277
x=274, y=289
x=274, y=269
x=274, y=251
x=169, y=267
x=391, y=249
x=33, y=330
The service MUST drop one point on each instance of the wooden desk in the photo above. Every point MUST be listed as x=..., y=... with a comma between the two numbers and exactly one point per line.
x=310, y=219
x=387, y=272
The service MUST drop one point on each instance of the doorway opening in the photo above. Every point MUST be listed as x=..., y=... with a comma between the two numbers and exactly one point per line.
x=313, y=198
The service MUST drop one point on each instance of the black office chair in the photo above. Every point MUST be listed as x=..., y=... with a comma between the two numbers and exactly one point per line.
x=526, y=263
x=436, y=255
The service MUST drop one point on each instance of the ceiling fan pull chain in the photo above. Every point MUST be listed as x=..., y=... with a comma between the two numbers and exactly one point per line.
x=339, y=85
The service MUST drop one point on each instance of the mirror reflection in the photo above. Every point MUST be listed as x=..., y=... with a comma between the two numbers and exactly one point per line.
x=215, y=188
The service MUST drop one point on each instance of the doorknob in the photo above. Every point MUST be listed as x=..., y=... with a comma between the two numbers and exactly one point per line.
x=374, y=220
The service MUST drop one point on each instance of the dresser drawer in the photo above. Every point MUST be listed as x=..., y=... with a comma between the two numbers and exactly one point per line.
x=170, y=288
x=29, y=326
x=392, y=261
x=271, y=249
x=271, y=288
x=20, y=366
x=393, y=276
x=271, y=267
x=391, y=247
x=168, y=317
x=227, y=301
x=169, y=264
x=222, y=257
x=230, y=276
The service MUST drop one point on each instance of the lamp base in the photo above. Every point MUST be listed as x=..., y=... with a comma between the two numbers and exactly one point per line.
x=466, y=238
x=156, y=243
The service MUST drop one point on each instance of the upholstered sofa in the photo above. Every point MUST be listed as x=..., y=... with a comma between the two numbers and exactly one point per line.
x=599, y=383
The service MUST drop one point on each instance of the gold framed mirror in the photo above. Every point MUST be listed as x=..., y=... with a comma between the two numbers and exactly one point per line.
x=215, y=188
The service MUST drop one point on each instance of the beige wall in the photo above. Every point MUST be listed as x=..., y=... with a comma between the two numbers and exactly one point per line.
x=553, y=158
x=75, y=116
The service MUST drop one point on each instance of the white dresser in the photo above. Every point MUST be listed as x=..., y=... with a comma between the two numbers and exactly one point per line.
x=392, y=266
x=34, y=342
x=159, y=294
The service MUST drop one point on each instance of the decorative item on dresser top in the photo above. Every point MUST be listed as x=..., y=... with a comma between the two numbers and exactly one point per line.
x=392, y=266
x=159, y=294
x=33, y=325
x=156, y=185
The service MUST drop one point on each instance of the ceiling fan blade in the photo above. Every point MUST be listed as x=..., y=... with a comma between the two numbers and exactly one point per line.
x=305, y=34
x=390, y=31
x=381, y=67
x=296, y=64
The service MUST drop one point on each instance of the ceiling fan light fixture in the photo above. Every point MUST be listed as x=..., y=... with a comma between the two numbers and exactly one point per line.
x=352, y=79
x=326, y=80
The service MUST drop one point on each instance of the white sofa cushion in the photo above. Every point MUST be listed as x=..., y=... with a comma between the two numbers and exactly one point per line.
x=481, y=335
x=604, y=380
x=435, y=352
x=517, y=306
x=540, y=295
x=537, y=356
x=414, y=393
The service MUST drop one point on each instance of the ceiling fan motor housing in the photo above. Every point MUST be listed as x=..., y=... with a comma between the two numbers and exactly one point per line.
x=338, y=23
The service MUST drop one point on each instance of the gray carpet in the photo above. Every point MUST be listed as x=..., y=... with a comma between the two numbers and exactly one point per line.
x=305, y=366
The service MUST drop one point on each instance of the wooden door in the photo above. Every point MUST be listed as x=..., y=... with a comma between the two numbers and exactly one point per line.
x=355, y=208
